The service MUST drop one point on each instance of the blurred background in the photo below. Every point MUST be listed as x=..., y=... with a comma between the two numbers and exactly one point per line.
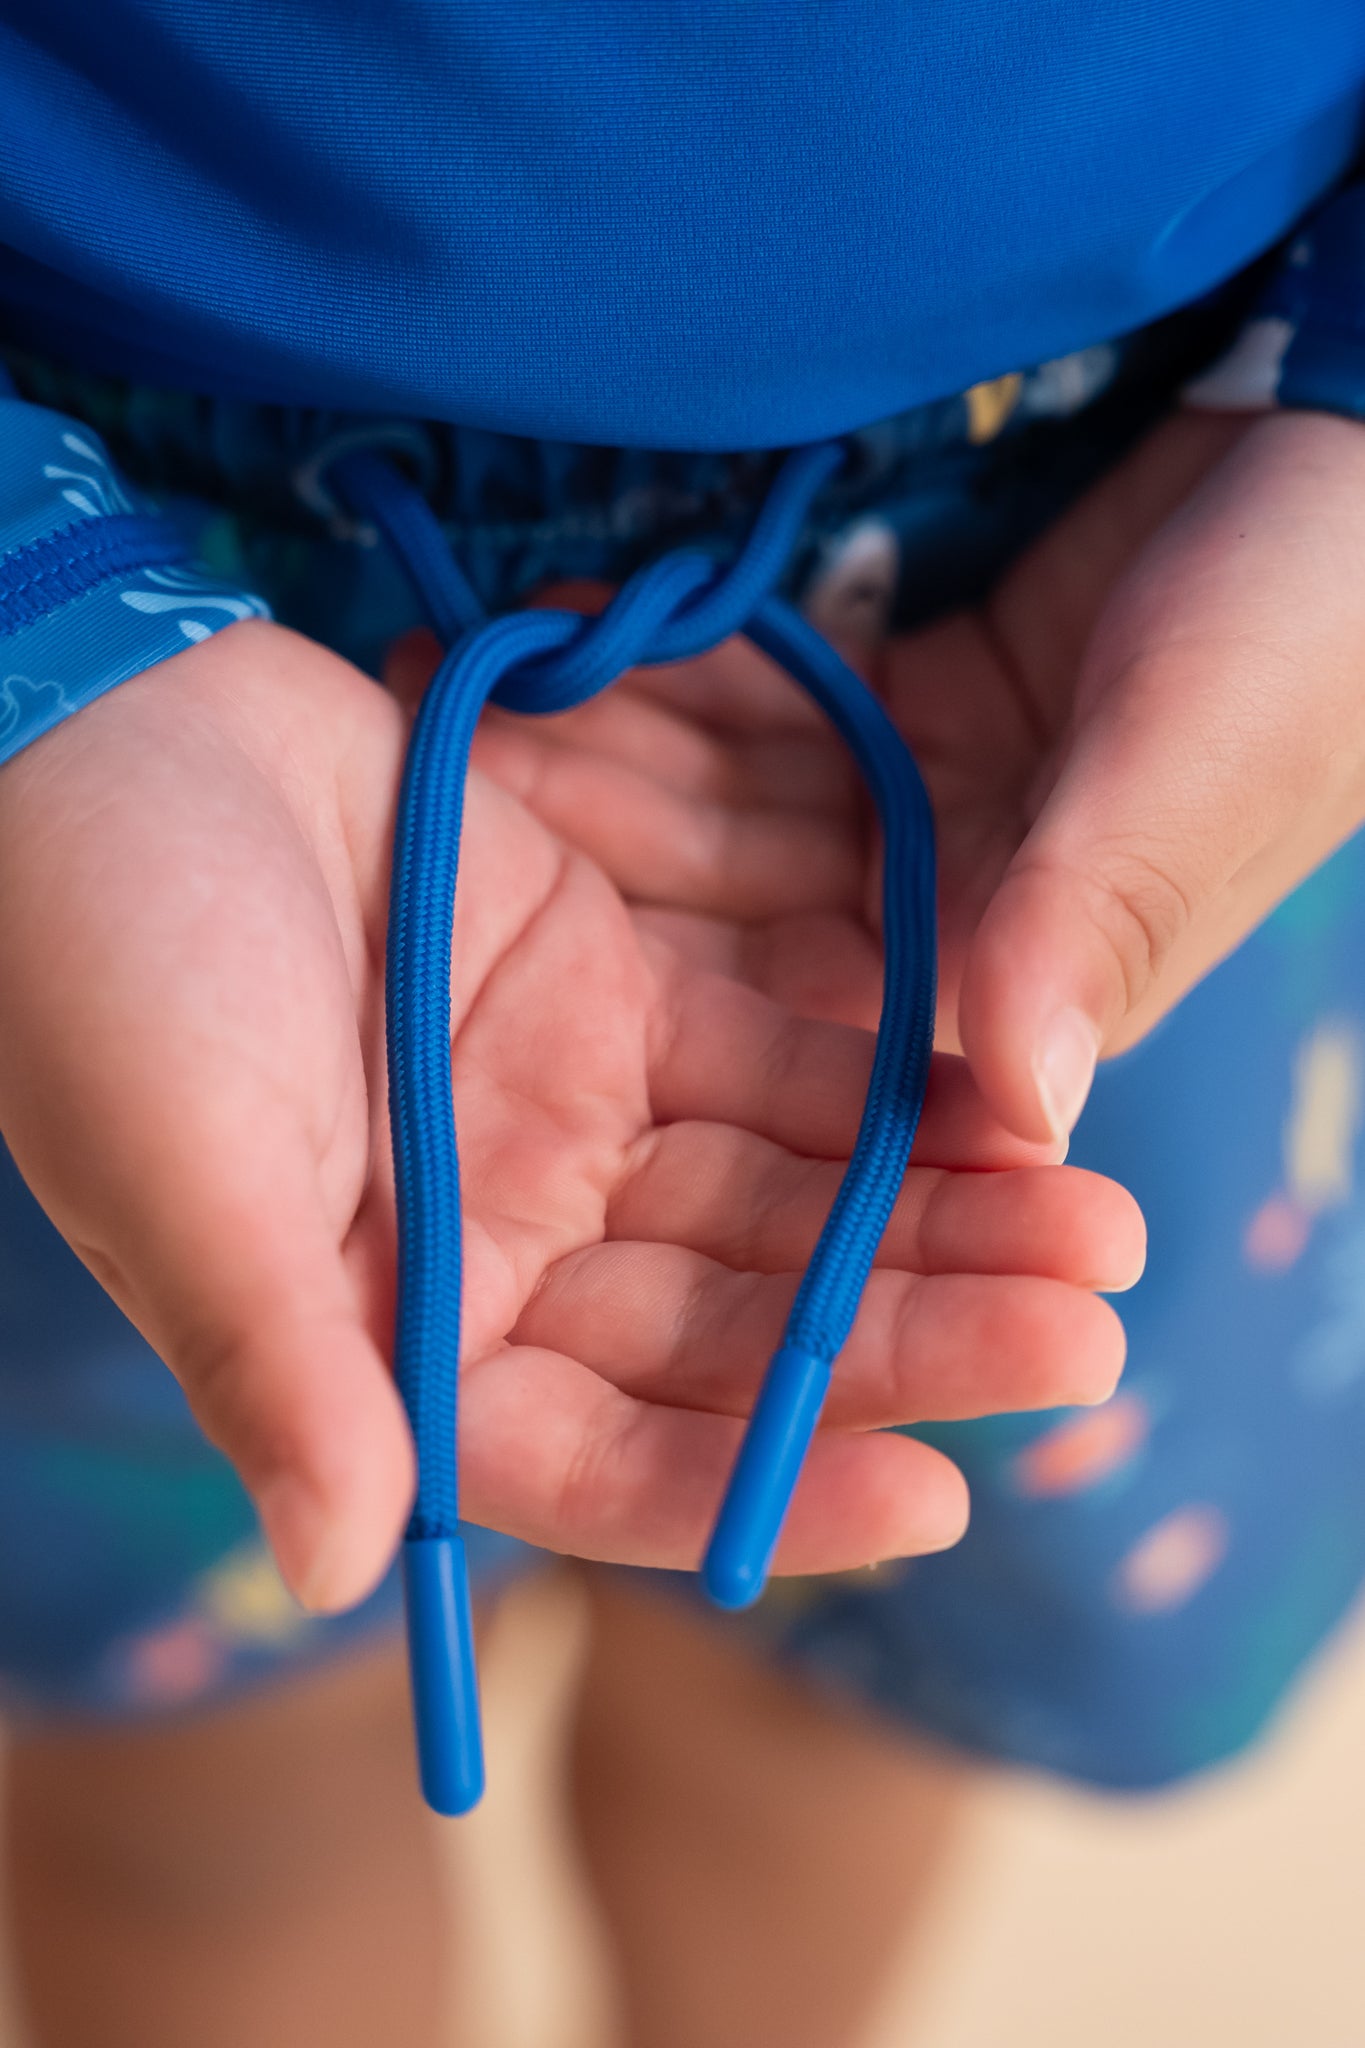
x=1230, y=1912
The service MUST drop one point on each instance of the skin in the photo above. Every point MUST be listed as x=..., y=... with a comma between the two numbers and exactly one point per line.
x=730, y=1813
x=1144, y=738
x=1148, y=734
x=265, y=1872
x=191, y=1080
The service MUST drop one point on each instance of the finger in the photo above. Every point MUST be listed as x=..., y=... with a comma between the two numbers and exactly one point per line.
x=1039, y=620
x=948, y=682
x=753, y=1206
x=724, y=1054
x=736, y=689
x=410, y=664
x=306, y=1410
x=781, y=771
x=182, y=1085
x=602, y=1475
x=1141, y=832
x=666, y=1324
x=826, y=964
x=257, y=1316
x=665, y=847
x=983, y=697
x=238, y=1281
x=1211, y=765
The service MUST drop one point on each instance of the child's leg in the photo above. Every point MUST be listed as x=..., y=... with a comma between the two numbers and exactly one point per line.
x=263, y=1874
x=759, y=1855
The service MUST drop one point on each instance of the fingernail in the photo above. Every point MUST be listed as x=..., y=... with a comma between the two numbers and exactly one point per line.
x=296, y=1530
x=1064, y=1067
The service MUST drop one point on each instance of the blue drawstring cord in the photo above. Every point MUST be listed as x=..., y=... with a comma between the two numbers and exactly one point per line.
x=547, y=661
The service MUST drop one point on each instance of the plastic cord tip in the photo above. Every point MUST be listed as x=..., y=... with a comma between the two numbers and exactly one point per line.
x=445, y=1686
x=735, y=1568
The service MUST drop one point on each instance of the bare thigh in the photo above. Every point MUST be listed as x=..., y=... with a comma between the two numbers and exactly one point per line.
x=264, y=1873
x=761, y=1855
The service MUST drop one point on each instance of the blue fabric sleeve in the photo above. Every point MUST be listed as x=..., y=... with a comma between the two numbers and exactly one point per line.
x=1304, y=345
x=95, y=584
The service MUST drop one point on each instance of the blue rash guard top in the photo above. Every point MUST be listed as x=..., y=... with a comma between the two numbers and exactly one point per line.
x=664, y=223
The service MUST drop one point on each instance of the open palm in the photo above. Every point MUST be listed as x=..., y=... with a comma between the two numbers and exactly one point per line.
x=719, y=799
x=191, y=1079
x=1143, y=738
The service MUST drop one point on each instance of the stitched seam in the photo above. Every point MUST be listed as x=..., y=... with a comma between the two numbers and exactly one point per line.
x=79, y=558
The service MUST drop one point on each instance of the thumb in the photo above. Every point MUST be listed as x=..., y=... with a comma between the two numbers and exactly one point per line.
x=1069, y=945
x=257, y=1312
x=1216, y=756
x=1192, y=797
x=225, y=1256
x=183, y=1086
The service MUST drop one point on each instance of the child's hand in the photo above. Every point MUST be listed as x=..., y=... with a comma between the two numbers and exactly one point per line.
x=1171, y=687
x=191, y=941
x=1150, y=733
x=717, y=798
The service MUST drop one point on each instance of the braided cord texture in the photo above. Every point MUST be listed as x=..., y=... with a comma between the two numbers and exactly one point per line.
x=545, y=661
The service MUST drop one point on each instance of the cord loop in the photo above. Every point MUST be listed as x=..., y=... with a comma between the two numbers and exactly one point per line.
x=540, y=662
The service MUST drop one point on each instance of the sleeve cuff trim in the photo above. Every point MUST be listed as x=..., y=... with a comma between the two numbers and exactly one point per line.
x=42, y=576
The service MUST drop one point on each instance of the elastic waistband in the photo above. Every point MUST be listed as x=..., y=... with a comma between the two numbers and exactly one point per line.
x=266, y=462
